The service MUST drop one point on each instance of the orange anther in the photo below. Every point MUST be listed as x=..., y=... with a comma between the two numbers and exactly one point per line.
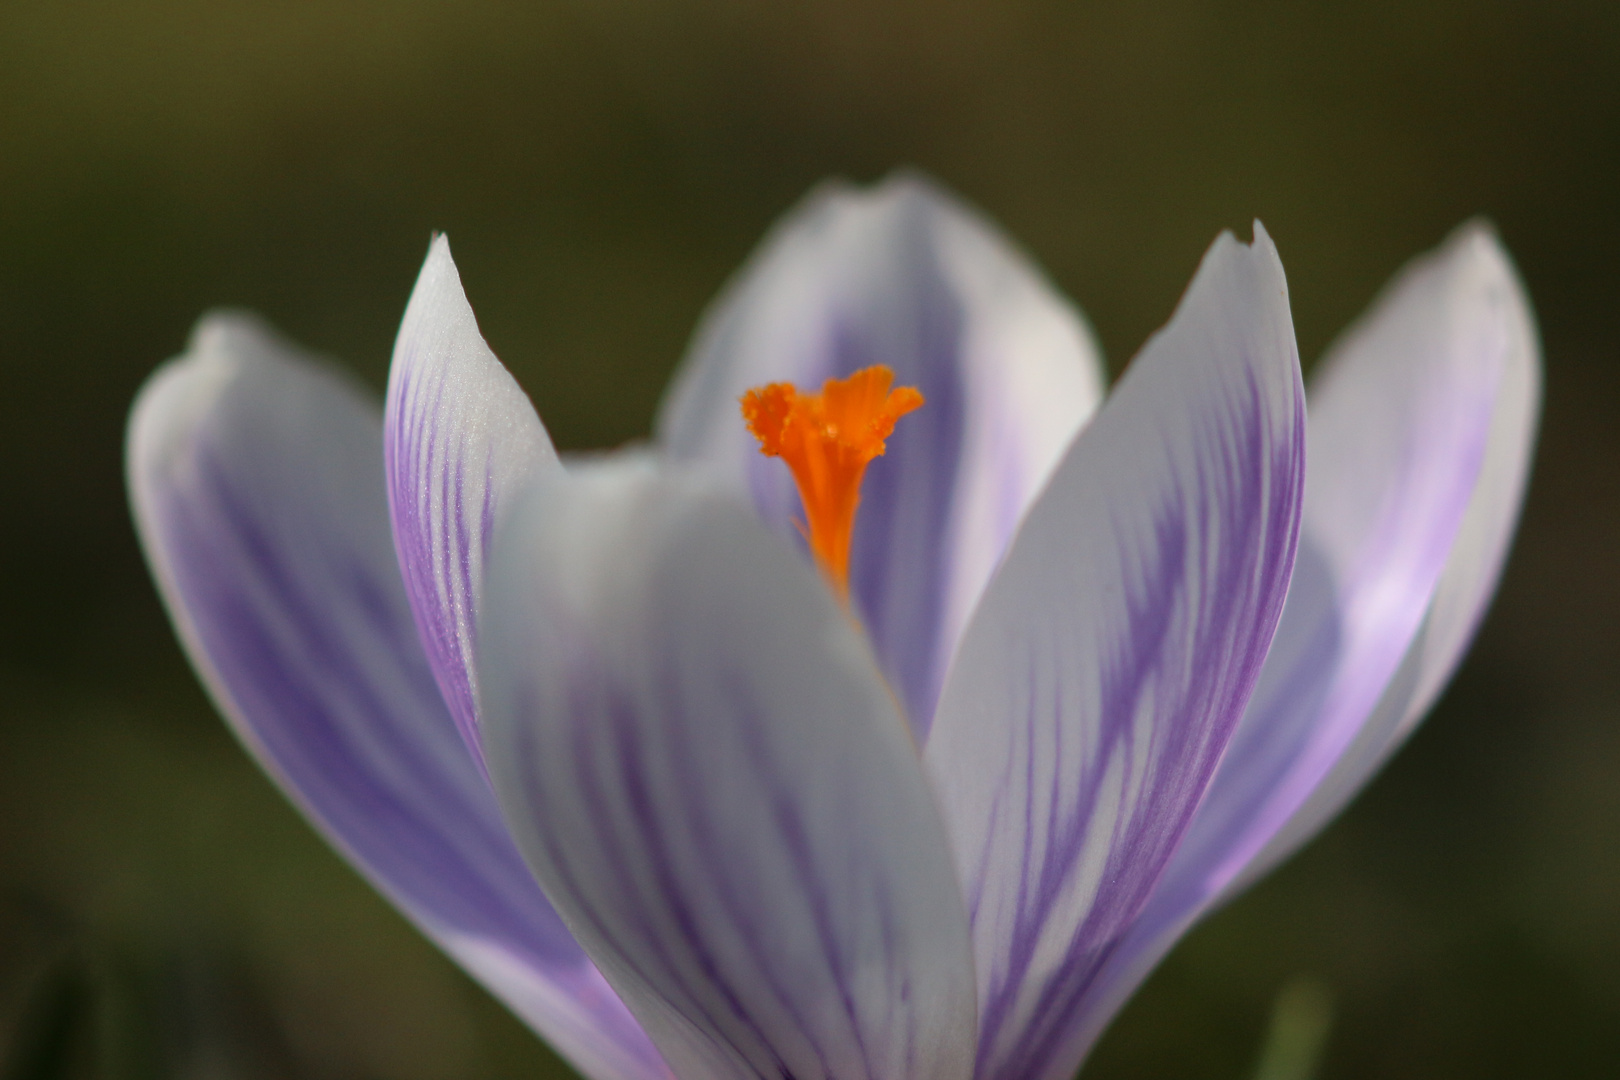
x=827, y=440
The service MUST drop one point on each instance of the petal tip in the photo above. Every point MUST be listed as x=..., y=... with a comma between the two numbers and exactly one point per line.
x=222, y=331
x=180, y=392
x=438, y=255
x=439, y=282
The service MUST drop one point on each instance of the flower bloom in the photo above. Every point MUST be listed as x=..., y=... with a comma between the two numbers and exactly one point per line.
x=603, y=732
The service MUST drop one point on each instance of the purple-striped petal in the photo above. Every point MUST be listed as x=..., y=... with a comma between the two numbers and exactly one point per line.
x=1490, y=309
x=1114, y=651
x=460, y=439
x=902, y=275
x=257, y=484
x=698, y=756
x=1421, y=426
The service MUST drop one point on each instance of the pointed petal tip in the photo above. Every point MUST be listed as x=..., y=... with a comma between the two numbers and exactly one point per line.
x=438, y=291
x=438, y=255
x=460, y=437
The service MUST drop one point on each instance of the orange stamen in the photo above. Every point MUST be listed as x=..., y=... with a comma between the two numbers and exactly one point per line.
x=827, y=440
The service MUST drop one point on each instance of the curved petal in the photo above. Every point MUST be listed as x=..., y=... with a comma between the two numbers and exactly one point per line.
x=1421, y=426
x=1113, y=653
x=460, y=438
x=1474, y=561
x=708, y=775
x=257, y=484
x=906, y=276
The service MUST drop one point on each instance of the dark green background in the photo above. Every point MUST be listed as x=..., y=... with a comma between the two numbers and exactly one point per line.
x=600, y=167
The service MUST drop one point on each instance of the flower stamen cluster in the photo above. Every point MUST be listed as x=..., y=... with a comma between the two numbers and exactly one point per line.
x=827, y=440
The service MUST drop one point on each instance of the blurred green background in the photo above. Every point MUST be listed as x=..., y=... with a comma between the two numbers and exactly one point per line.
x=601, y=166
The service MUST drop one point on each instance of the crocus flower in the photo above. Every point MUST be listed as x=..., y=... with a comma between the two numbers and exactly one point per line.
x=605, y=733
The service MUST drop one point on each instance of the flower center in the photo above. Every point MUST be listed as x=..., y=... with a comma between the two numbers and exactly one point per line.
x=827, y=440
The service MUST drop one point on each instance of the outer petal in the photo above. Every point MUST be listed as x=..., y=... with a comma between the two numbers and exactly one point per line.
x=1477, y=265
x=1421, y=425
x=906, y=276
x=1112, y=655
x=703, y=766
x=460, y=439
x=257, y=483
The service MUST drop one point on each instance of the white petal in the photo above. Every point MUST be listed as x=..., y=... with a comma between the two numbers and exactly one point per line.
x=1113, y=653
x=707, y=774
x=1421, y=425
x=460, y=439
x=257, y=483
x=902, y=275
x=1482, y=270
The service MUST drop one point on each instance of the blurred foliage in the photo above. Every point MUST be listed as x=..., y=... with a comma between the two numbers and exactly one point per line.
x=1301, y=1019
x=601, y=166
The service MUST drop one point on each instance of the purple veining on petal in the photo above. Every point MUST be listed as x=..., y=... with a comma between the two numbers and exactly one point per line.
x=1372, y=632
x=1409, y=427
x=1401, y=416
x=1112, y=656
x=657, y=963
x=745, y=852
x=1480, y=389
x=1150, y=651
x=459, y=435
x=603, y=706
x=736, y=917
x=902, y=275
x=277, y=566
x=900, y=560
x=1183, y=891
x=409, y=451
x=412, y=813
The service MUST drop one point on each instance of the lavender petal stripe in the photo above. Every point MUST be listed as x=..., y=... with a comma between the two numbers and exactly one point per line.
x=1474, y=563
x=902, y=275
x=1113, y=653
x=257, y=484
x=701, y=762
x=459, y=438
x=1421, y=424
